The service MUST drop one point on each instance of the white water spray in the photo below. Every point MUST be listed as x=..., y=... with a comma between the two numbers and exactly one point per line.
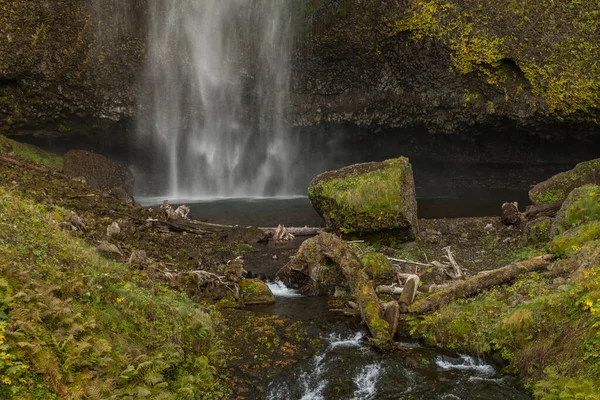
x=218, y=83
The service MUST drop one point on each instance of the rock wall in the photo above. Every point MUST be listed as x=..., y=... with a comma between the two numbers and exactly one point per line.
x=68, y=66
x=73, y=66
x=450, y=65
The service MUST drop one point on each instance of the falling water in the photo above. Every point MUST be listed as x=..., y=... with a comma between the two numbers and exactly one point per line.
x=217, y=83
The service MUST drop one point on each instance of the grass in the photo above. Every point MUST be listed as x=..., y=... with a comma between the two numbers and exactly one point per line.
x=75, y=325
x=30, y=153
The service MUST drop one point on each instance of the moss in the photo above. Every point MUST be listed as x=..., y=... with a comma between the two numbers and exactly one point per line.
x=105, y=330
x=537, y=231
x=378, y=266
x=33, y=154
x=558, y=187
x=571, y=241
x=554, y=44
x=582, y=206
x=366, y=197
x=255, y=291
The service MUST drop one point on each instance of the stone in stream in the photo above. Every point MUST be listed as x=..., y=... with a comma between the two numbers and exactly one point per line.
x=559, y=186
x=373, y=200
x=410, y=290
x=255, y=292
x=97, y=170
x=312, y=272
x=391, y=313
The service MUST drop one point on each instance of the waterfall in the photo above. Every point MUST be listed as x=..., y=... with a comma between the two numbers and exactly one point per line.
x=216, y=89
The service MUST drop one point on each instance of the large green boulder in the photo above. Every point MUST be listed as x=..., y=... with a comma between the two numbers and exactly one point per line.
x=255, y=292
x=582, y=206
x=559, y=186
x=367, y=198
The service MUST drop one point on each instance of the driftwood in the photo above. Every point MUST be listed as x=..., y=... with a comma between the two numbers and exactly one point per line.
x=420, y=264
x=385, y=289
x=543, y=210
x=478, y=283
x=361, y=286
x=457, y=271
x=282, y=234
x=305, y=231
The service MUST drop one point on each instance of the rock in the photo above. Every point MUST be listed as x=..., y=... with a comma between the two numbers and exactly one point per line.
x=122, y=195
x=410, y=290
x=571, y=241
x=255, y=292
x=379, y=268
x=97, y=170
x=113, y=229
x=537, y=231
x=560, y=186
x=581, y=206
x=511, y=214
x=312, y=272
x=391, y=313
x=77, y=223
x=138, y=257
x=368, y=198
x=109, y=249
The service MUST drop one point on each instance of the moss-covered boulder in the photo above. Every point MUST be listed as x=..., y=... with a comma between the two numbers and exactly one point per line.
x=582, y=206
x=571, y=241
x=311, y=272
x=366, y=198
x=537, y=231
x=379, y=268
x=255, y=292
x=559, y=186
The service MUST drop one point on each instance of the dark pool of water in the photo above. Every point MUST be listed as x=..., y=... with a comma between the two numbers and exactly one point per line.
x=466, y=202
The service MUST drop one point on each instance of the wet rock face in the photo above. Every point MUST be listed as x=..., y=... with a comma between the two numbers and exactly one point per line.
x=448, y=66
x=68, y=67
x=370, y=198
x=98, y=171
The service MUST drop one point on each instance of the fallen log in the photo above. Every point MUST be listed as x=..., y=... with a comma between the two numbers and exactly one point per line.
x=543, y=210
x=305, y=231
x=470, y=287
x=384, y=289
x=361, y=286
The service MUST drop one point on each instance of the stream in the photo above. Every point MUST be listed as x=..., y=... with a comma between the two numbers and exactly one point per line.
x=349, y=369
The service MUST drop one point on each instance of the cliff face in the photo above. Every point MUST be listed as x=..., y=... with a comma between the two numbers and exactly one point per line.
x=67, y=65
x=450, y=65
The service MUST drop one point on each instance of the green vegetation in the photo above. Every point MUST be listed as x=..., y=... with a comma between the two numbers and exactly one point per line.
x=366, y=198
x=378, y=266
x=255, y=291
x=582, y=206
x=547, y=328
x=553, y=44
x=74, y=325
x=33, y=154
x=559, y=186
